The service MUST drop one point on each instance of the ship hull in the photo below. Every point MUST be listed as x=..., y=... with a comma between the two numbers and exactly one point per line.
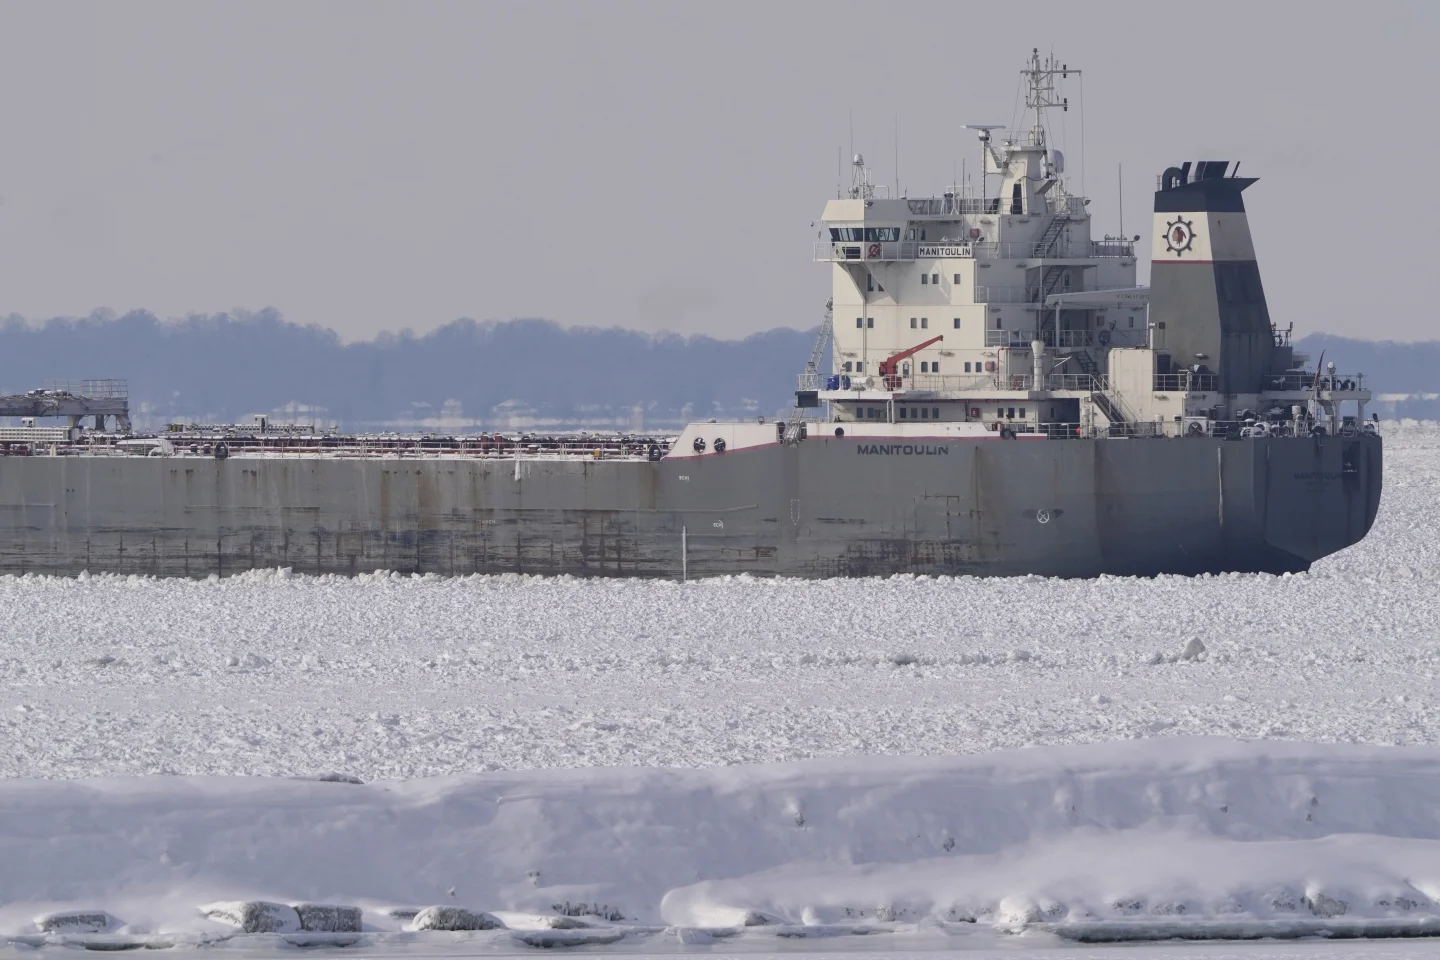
x=824, y=507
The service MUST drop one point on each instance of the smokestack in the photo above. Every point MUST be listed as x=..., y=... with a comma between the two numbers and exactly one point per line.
x=1204, y=281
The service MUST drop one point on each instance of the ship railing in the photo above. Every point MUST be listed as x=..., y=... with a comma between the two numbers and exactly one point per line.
x=1112, y=248
x=1075, y=381
x=884, y=251
x=1051, y=338
x=1016, y=250
x=598, y=447
x=1295, y=381
x=1194, y=428
x=1031, y=294
x=963, y=383
x=952, y=383
x=953, y=206
x=91, y=389
x=1186, y=382
x=1012, y=294
x=889, y=251
x=1067, y=205
x=1024, y=137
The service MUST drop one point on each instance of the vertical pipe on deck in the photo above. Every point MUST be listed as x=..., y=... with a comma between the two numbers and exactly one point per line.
x=1220, y=476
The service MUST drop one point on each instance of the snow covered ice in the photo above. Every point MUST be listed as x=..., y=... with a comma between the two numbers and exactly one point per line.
x=326, y=681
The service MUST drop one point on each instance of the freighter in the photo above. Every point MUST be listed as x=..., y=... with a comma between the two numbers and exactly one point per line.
x=992, y=395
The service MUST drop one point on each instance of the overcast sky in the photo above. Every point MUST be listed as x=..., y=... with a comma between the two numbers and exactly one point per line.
x=376, y=166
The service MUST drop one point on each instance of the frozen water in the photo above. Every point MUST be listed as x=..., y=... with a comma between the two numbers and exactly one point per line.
x=385, y=676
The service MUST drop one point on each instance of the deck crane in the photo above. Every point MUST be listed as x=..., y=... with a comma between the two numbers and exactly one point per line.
x=892, y=379
x=810, y=379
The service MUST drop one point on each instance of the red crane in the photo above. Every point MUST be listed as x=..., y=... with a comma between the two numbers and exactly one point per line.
x=887, y=367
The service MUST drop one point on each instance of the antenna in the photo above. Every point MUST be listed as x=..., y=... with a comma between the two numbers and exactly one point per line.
x=1120, y=183
x=897, y=153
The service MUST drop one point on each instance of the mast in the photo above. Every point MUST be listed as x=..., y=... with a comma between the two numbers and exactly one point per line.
x=1040, y=93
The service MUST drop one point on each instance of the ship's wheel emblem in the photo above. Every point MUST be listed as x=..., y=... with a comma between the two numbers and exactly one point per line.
x=1179, y=235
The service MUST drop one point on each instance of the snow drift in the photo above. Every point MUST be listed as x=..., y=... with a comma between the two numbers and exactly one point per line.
x=1138, y=835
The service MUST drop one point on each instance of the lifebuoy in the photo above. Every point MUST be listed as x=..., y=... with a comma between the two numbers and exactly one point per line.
x=839, y=431
x=1007, y=434
x=1318, y=430
x=719, y=444
x=873, y=250
x=1195, y=430
x=1103, y=336
x=699, y=444
x=989, y=366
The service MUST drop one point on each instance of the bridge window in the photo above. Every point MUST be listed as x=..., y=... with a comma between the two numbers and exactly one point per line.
x=847, y=234
x=882, y=234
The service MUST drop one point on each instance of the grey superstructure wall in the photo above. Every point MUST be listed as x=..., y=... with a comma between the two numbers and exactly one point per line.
x=824, y=507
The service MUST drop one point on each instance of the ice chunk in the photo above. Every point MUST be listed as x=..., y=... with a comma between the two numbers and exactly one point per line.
x=326, y=918
x=76, y=921
x=453, y=918
x=254, y=916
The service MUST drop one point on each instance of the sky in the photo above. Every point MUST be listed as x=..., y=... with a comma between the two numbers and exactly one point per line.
x=385, y=166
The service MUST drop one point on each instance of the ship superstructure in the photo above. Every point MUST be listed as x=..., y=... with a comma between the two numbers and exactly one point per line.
x=1001, y=309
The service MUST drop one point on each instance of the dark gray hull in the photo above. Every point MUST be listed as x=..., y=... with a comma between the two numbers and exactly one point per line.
x=822, y=508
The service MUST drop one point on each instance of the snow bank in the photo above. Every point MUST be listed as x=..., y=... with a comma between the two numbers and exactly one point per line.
x=1129, y=837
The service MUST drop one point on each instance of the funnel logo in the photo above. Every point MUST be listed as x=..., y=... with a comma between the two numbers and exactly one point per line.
x=1179, y=235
